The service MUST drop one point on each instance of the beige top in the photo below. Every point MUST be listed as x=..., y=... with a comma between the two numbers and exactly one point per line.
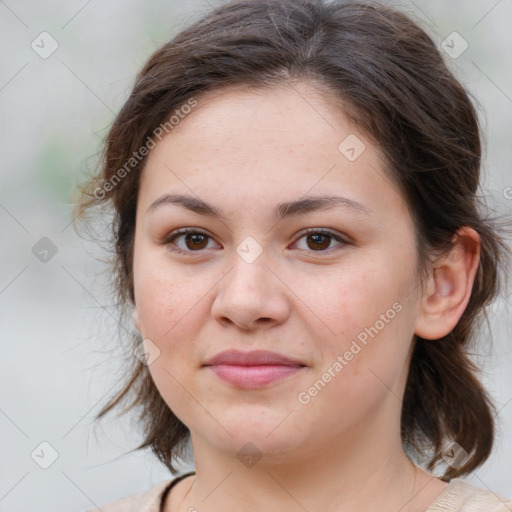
x=458, y=496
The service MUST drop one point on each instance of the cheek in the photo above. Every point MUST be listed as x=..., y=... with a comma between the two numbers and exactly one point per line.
x=370, y=320
x=161, y=296
x=362, y=367
x=351, y=300
x=173, y=308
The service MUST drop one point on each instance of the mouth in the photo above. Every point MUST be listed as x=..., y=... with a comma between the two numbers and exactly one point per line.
x=253, y=376
x=253, y=369
x=253, y=358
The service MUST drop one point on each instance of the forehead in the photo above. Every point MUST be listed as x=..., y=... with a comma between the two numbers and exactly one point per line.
x=265, y=123
x=283, y=141
x=295, y=112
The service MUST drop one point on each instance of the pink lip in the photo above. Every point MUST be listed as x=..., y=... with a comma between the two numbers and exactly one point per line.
x=253, y=376
x=252, y=358
x=252, y=369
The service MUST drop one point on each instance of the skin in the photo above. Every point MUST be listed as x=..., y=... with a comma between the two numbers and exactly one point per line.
x=245, y=151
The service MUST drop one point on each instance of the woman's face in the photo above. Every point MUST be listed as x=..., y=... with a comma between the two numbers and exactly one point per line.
x=343, y=303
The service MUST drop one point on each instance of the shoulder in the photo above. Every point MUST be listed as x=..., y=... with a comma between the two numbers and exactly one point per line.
x=147, y=501
x=462, y=496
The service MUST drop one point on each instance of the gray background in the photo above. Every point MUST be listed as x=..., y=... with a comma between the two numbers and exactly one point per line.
x=61, y=360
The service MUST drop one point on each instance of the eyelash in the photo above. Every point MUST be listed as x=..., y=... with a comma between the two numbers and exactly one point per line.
x=172, y=236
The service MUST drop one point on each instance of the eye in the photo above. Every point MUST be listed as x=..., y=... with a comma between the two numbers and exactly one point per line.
x=318, y=240
x=193, y=240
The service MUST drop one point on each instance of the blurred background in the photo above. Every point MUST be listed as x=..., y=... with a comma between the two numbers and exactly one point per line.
x=67, y=68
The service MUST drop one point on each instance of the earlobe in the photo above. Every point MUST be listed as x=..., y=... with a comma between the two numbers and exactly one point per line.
x=136, y=320
x=449, y=287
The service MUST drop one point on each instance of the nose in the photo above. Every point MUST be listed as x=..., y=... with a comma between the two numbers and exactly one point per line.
x=251, y=296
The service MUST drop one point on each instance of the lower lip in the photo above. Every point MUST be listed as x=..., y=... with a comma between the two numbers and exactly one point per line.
x=253, y=376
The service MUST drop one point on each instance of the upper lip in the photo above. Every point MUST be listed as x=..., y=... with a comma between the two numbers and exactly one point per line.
x=252, y=358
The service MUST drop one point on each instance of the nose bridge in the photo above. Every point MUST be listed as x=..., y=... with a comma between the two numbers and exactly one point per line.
x=250, y=291
x=249, y=271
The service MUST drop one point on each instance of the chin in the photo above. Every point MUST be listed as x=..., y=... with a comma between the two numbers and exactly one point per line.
x=271, y=441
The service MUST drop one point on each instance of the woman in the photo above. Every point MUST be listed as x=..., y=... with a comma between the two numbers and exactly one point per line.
x=298, y=237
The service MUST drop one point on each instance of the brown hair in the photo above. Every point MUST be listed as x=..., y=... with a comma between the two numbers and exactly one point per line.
x=391, y=81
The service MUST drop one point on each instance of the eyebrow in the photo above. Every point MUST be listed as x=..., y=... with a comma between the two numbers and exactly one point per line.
x=287, y=209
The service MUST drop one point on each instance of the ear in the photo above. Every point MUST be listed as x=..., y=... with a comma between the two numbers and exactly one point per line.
x=449, y=287
x=136, y=319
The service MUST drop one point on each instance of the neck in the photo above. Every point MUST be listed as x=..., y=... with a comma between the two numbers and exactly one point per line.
x=346, y=476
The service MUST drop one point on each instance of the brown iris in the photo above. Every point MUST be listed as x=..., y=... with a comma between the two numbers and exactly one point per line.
x=321, y=241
